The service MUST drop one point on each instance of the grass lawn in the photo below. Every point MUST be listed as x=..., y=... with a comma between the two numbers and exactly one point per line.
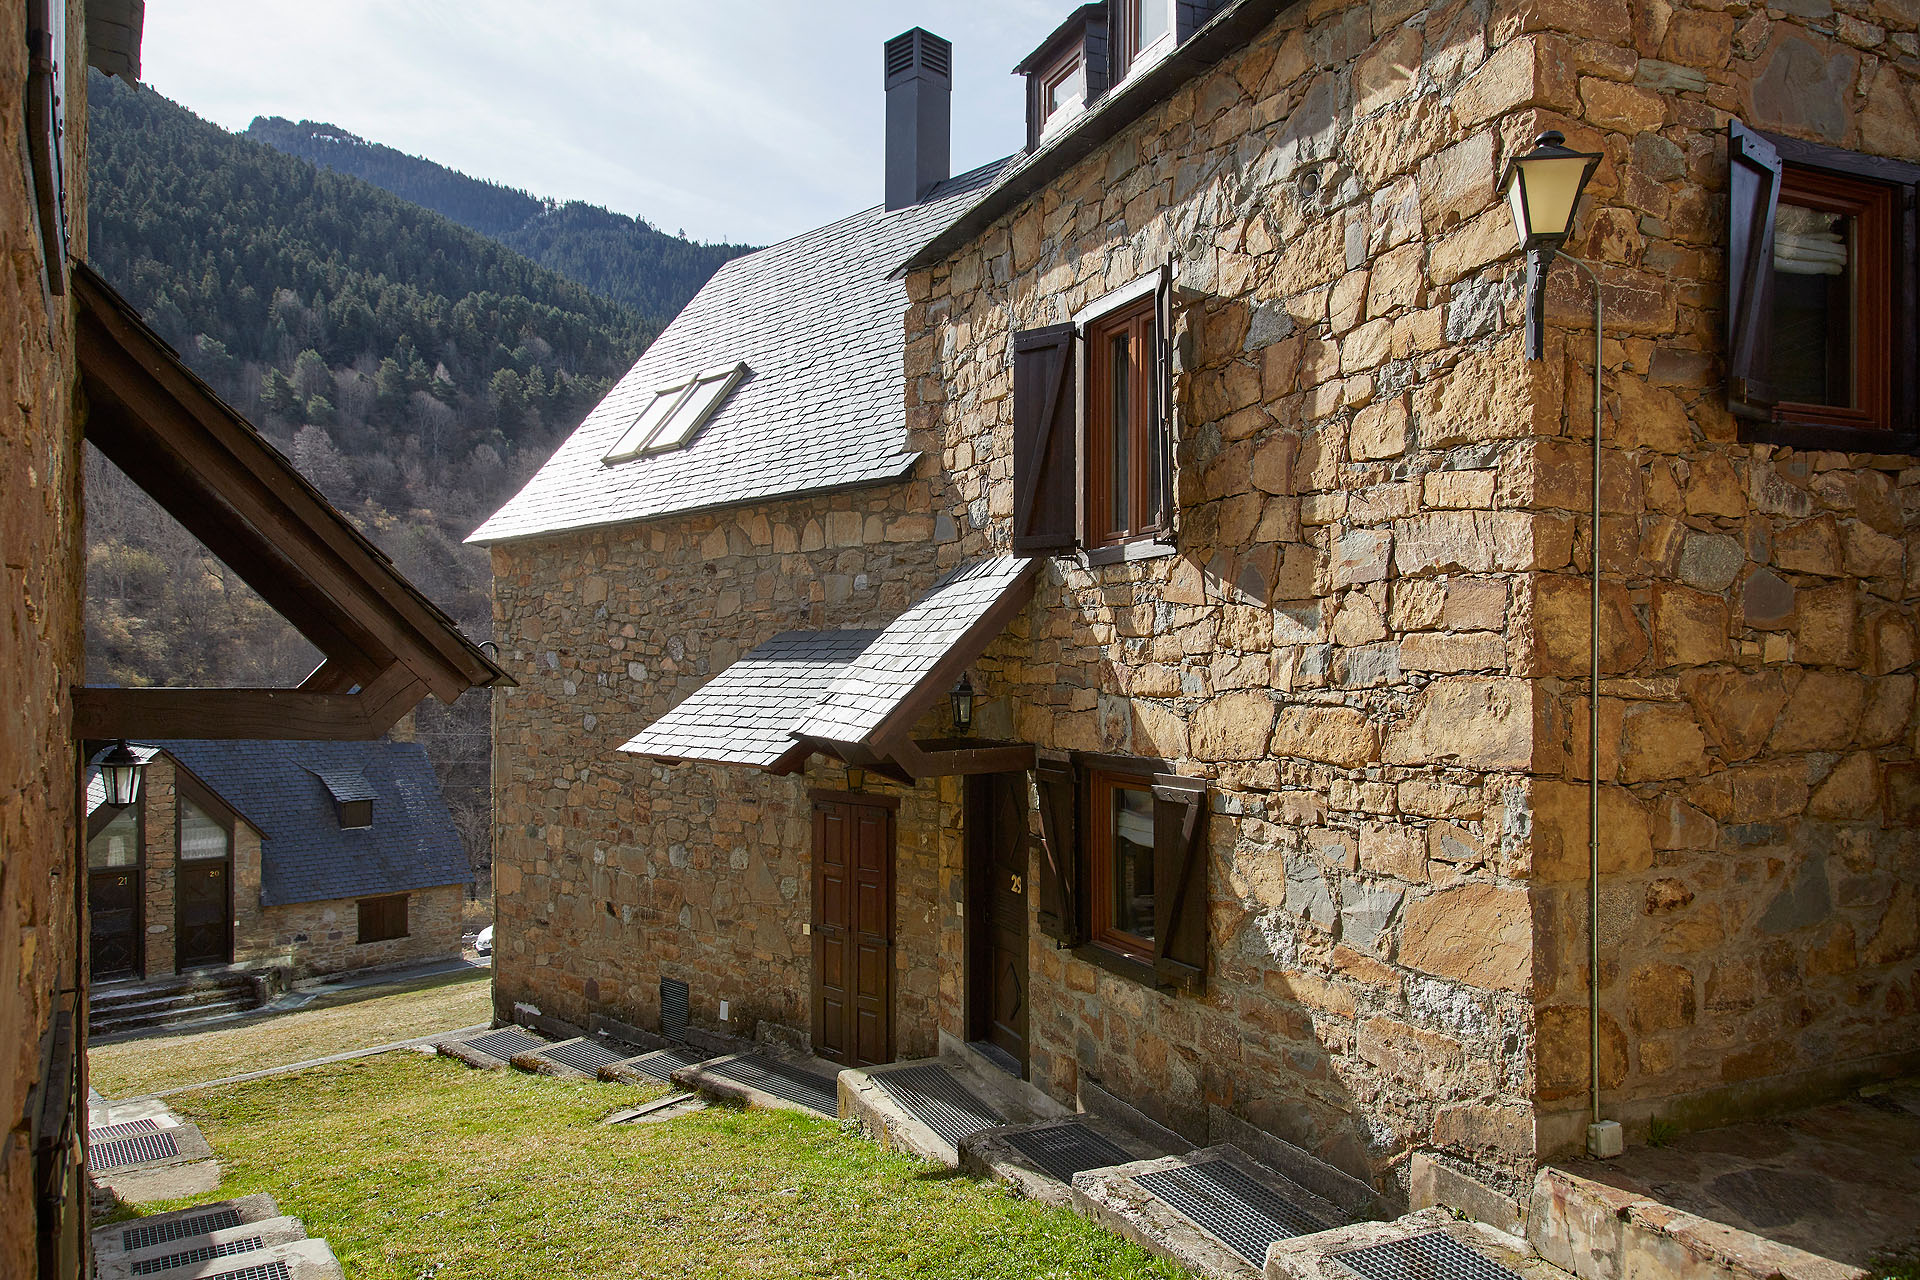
x=358, y=1018
x=411, y=1167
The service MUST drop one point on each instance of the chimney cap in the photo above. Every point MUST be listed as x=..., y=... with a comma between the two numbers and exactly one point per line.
x=918, y=52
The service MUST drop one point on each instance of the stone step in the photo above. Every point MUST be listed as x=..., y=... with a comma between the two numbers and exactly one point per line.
x=161, y=1145
x=655, y=1067
x=765, y=1079
x=109, y=995
x=491, y=1050
x=1041, y=1160
x=1430, y=1242
x=294, y=1260
x=164, y=1016
x=577, y=1059
x=1214, y=1211
x=238, y=1246
x=139, y=1234
x=928, y=1107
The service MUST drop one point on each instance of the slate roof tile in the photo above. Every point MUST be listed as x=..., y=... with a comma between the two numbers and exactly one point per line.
x=823, y=406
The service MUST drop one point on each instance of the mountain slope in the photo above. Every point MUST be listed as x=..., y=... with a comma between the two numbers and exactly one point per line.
x=622, y=258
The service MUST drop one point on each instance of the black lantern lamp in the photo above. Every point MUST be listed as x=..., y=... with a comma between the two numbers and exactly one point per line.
x=962, y=699
x=1543, y=190
x=121, y=772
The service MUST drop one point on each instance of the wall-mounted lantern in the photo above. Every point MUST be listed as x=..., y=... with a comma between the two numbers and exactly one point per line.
x=121, y=772
x=962, y=699
x=1543, y=191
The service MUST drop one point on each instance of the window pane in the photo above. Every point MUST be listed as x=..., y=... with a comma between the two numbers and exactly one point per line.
x=118, y=844
x=1152, y=20
x=200, y=835
x=1132, y=904
x=635, y=438
x=1067, y=89
x=1120, y=416
x=1813, y=306
x=692, y=412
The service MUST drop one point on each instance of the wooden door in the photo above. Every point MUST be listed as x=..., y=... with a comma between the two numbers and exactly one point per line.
x=852, y=931
x=114, y=927
x=204, y=913
x=997, y=841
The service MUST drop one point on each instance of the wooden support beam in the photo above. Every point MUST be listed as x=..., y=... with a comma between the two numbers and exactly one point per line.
x=931, y=760
x=247, y=713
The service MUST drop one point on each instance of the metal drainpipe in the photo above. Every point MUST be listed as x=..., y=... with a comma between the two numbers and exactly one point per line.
x=1593, y=745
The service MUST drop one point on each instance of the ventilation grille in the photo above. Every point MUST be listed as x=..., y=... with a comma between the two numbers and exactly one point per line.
x=204, y=1253
x=1066, y=1149
x=1219, y=1198
x=108, y=1132
x=265, y=1271
x=179, y=1229
x=1433, y=1256
x=581, y=1056
x=802, y=1088
x=934, y=1098
x=504, y=1043
x=673, y=1008
x=919, y=48
x=135, y=1150
x=662, y=1063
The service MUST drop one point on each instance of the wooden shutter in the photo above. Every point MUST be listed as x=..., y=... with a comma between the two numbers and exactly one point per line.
x=1180, y=879
x=1753, y=192
x=1046, y=439
x=1059, y=852
x=1161, y=515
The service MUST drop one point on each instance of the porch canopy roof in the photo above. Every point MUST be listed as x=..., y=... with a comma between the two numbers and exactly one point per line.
x=854, y=695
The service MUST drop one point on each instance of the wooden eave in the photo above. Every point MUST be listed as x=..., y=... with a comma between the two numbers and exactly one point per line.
x=386, y=645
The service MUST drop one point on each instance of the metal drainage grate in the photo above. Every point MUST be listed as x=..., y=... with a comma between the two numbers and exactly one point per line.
x=264, y=1271
x=1246, y=1216
x=673, y=1008
x=1066, y=1149
x=108, y=1132
x=1433, y=1256
x=138, y=1149
x=583, y=1056
x=931, y=1096
x=801, y=1088
x=662, y=1063
x=204, y=1253
x=179, y=1229
x=504, y=1043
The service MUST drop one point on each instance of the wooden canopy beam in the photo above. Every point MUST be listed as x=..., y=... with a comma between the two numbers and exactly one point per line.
x=247, y=713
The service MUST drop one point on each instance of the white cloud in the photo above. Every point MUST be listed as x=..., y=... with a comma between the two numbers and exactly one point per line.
x=747, y=120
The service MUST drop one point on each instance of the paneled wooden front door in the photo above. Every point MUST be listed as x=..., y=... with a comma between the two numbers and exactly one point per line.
x=114, y=927
x=852, y=931
x=204, y=910
x=997, y=806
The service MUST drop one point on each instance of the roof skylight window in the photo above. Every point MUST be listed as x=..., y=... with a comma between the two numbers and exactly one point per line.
x=676, y=413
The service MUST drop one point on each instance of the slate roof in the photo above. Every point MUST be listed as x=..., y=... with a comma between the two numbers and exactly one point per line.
x=818, y=321
x=746, y=714
x=890, y=669
x=305, y=856
x=838, y=685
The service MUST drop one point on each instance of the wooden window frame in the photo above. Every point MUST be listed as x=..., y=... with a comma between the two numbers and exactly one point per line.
x=1871, y=204
x=1126, y=34
x=1106, y=527
x=1099, y=853
x=1056, y=74
x=383, y=903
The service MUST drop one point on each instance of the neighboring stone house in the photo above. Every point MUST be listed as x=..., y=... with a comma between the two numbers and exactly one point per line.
x=1234, y=352
x=316, y=857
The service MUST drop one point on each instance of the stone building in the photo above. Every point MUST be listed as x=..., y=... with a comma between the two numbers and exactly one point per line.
x=315, y=857
x=1233, y=357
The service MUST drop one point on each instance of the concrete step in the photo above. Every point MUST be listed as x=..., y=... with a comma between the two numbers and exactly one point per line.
x=1041, y=1160
x=577, y=1059
x=161, y=1145
x=655, y=1067
x=237, y=1246
x=140, y=1234
x=1214, y=1211
x=765, y=1079
x=928, y=1107
x=491, y=1050
x=294, y=1260
x=1431, y=1242
x=167, y=1016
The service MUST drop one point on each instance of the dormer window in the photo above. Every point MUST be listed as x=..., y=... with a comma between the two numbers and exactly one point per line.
x=1142, y=32
x=1067, y=74
x=352, y=797
x=1063, y=92
x=676, y=413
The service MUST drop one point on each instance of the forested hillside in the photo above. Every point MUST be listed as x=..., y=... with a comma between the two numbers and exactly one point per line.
x=619, y=257
x=415, y=370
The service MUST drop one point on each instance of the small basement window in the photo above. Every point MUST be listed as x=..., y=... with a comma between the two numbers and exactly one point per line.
x=383, y=919
x=676, y=414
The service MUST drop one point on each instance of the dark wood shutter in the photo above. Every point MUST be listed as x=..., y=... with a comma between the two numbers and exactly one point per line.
x=1180, y=879
x=1161, y=515
x=1046, y=440
x=1059, y=791
x=1753, y=192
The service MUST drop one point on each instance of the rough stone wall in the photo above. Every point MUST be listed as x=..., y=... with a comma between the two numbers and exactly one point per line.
x=611, y=872
x=1334, y=643
x=41, y=920
x=323, y=937
x=162, y=829
x=1759, y=919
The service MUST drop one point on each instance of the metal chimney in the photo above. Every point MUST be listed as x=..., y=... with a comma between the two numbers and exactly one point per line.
x=919, y=81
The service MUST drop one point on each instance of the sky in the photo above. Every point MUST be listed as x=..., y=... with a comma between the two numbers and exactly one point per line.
x=738, y=120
